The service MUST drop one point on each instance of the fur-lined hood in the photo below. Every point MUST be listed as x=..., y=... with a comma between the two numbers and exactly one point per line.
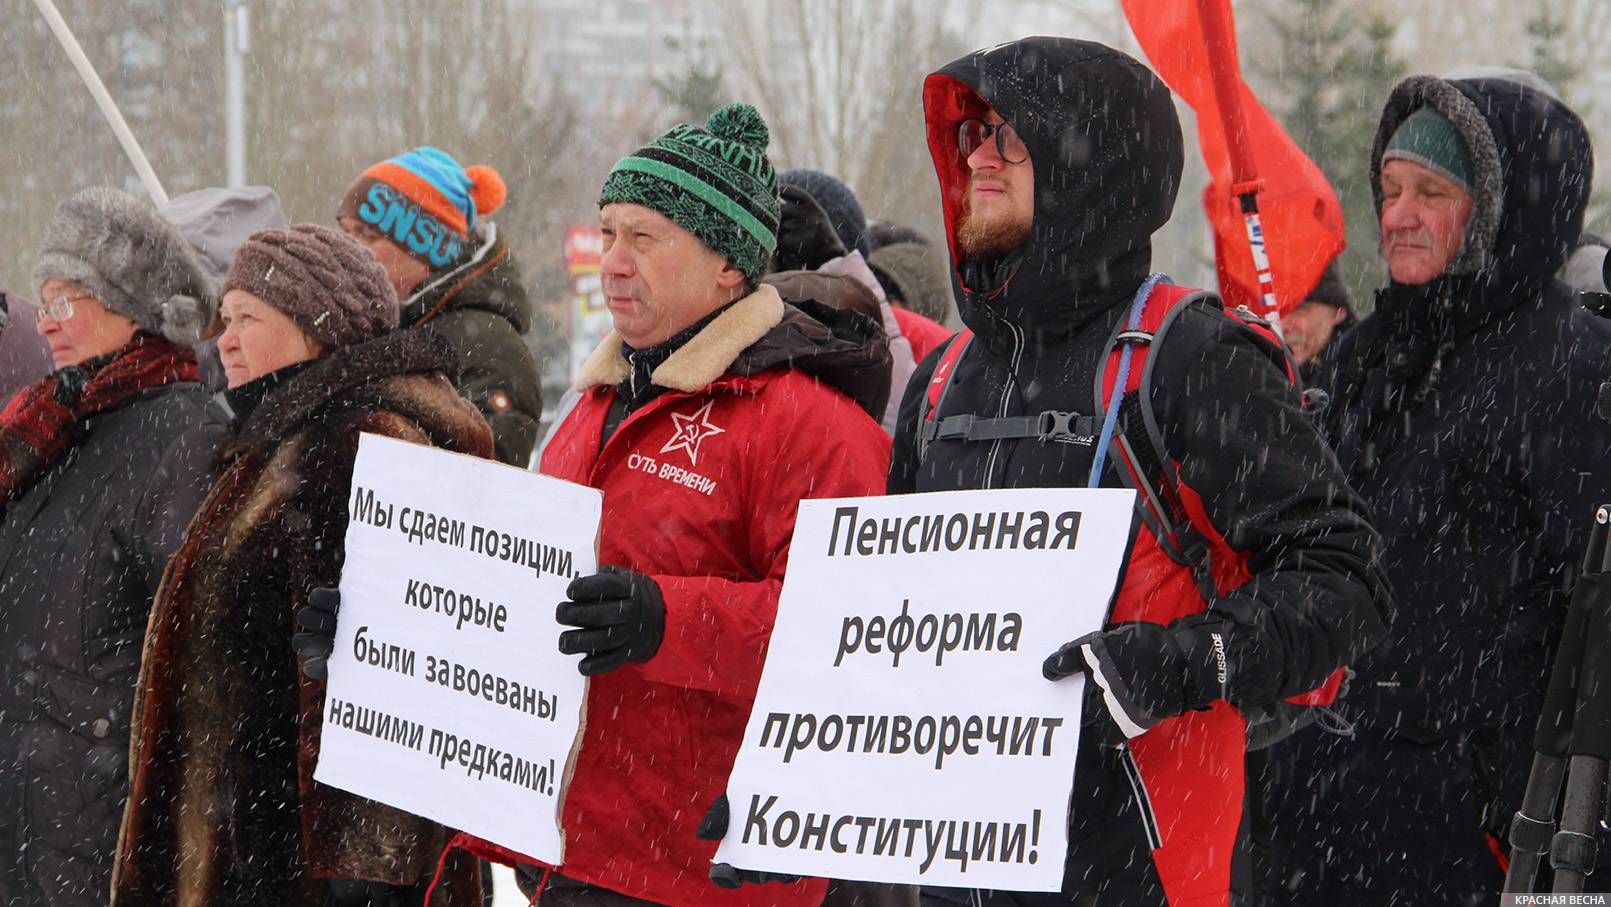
x=845, y=349
x=1533, y=169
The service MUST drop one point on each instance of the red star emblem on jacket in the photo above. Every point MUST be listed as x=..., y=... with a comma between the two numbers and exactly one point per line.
x=691, y=430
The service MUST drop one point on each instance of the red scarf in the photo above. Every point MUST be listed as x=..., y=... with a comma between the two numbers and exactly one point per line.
x=36, y=426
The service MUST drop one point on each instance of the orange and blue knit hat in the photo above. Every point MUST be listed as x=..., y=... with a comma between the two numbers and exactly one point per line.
x=425, y=203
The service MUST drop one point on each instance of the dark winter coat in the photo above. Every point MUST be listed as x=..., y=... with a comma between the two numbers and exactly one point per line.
x=761, y=407
x=223, y=806
x=1107, y=154
x=480, y=306
x=81, y=553
x=1464, y=410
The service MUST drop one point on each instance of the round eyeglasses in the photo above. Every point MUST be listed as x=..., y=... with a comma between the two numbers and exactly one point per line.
x=973, y=133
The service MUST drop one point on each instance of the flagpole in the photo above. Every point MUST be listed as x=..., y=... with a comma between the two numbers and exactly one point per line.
x=97, y=90
x=1220, y=38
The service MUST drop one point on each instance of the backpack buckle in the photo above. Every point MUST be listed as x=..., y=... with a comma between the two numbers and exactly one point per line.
x=1054, y=425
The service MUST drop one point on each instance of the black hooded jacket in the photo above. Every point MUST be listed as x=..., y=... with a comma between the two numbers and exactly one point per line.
x=1107, y=154
x=480, y=307
x=1106, y=171
x=1464, y=409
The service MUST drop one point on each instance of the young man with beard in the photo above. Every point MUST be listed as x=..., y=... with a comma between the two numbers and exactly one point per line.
x=1057, y=160
x=1463, y=409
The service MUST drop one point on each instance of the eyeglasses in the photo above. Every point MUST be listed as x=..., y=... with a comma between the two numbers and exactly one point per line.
x=59, y=309
x=972, y=134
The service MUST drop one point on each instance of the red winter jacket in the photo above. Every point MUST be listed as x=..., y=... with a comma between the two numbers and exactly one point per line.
x=925, y=334
x=700, y=489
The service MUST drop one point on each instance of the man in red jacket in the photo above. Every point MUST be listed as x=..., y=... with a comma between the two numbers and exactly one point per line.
x=705, y=417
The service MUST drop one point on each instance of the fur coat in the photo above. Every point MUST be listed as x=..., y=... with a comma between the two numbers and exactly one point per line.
x=223, y=808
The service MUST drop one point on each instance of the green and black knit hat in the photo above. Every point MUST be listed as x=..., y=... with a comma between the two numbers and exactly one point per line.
x=714, y=182
x=1427, y=138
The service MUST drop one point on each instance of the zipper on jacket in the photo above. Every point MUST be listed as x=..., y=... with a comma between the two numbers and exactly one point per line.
x=1006, y=394
x=1138, y=787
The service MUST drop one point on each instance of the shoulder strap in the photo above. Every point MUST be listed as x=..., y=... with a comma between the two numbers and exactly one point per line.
x=1139, y=445
x=941, y=381
x=939, y=385
x=1047, y=425
x=1275, y=345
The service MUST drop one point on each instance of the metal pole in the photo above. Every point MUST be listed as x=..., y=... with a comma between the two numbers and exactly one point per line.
x=237, y=38
x=97, y=90
x=1219, y=38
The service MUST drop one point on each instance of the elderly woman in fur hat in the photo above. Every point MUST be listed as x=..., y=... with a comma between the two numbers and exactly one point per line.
x=223, y=808
x=102, y=463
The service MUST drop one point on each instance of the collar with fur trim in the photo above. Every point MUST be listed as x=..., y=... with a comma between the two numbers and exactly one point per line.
x=704, y=358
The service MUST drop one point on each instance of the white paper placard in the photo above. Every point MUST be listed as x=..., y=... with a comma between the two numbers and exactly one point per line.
x=447, y=695
x=903, y=731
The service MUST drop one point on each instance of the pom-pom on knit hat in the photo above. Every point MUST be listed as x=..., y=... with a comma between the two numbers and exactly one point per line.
x=715, y=182
x=425, y=203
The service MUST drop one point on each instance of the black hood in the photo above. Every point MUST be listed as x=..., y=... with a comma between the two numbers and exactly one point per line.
x=1106, y=146
x=1533, y=168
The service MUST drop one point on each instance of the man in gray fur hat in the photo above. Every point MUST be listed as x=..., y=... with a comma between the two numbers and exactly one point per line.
x=102, y=464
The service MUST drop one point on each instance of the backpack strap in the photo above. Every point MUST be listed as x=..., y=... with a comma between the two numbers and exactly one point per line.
x=1126, y=342
x=939, y=385
x=1047, y=425
x=1139, y=443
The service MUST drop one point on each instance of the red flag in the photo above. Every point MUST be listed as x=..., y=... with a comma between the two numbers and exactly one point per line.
x=1192, y=45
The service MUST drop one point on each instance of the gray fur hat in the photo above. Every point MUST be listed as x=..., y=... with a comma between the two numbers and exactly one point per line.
x=122, y=252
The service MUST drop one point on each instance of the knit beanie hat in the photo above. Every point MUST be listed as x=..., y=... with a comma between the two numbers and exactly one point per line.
x=123, y=253
x=714, y=182
x=838, y=202
x=425, y=203
x=1329, y=289
x=321, y=278
x=1426, y=138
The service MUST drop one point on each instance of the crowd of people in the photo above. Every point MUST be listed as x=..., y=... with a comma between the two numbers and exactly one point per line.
x=1322, y=663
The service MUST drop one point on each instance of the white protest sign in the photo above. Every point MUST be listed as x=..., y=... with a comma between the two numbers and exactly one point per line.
x=903, y=731
x=447, y=696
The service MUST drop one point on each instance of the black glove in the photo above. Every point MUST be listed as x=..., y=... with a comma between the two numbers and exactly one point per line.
x=725, y=875
x=806, y=237
x=318, y=619
x=621, y=615
x=1147, y=672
